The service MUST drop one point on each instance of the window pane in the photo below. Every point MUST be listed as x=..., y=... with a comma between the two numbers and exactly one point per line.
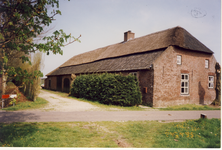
x=182, y=84
x=211, y=85
x=182, y=90
x=211, y=81
x=182, y=77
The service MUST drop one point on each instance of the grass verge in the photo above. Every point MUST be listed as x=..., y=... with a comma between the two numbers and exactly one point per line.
x=201, y=133
x=190, y=107
x=38, y=103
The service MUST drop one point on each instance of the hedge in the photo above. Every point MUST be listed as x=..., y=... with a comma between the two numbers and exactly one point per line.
x=106, y=88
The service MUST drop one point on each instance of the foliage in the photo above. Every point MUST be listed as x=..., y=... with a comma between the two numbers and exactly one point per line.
x=21, y=21
x=12, y=101
x=10, y=86
x=190, y=134
x=32, y=88
x=40, y=102
x=217, y=101
x=108, y=89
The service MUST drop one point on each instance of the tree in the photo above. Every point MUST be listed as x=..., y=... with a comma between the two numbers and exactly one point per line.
x=218, y=84
x=21, y=21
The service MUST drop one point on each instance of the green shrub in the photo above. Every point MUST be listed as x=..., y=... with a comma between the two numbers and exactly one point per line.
x=108, y=89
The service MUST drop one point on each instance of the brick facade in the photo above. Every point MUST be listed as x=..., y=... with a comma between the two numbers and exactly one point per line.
x=167, y=78
x=161, y=85
x=54, y=85
x=146, y=81
x=51, y=83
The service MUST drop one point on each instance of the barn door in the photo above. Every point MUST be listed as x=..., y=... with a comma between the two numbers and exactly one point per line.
x=59, y=83
x=66, y=85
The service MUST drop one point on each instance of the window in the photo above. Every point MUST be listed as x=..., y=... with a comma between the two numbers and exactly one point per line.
x=206, y=63
x=184, y=83
x=210, y=81
x=179, y=59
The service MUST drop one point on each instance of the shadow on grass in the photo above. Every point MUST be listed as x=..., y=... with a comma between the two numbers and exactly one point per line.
x=14, y=134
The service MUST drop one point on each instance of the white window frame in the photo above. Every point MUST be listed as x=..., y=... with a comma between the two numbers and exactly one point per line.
x=179, y=59
x=184, y=89
x=210, y=82
x=206, y=63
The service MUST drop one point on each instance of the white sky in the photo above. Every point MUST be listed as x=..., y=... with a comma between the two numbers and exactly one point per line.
x=103, y=22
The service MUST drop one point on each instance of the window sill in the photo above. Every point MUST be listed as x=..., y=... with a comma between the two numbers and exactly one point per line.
x=184, y=94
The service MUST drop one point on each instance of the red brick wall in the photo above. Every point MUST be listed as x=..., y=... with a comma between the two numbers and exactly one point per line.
x=53, y=83
x=46, y=83
x=167, y=78
x=146, y=80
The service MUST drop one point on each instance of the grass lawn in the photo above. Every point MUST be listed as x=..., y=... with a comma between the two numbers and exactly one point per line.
x=201, y=133
x=38, y=103
x=190, y=107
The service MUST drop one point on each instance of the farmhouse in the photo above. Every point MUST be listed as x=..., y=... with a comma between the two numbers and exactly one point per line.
x=172, y=67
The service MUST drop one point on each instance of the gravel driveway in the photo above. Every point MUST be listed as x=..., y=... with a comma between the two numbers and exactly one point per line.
x=62, y=104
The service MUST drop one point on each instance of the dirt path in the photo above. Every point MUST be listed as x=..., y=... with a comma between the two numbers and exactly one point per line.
x=62, y=104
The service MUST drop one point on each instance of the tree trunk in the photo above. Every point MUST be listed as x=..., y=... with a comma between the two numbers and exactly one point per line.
x=4, y=76
x=4, y=79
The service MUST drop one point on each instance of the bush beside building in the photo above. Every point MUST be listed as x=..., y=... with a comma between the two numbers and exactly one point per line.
x=108, y=89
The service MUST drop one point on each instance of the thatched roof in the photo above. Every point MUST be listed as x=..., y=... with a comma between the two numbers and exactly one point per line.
x=160, y=40
x=125, y=63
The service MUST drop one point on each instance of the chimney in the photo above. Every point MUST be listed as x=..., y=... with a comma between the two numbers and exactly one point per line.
x=128, y=36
